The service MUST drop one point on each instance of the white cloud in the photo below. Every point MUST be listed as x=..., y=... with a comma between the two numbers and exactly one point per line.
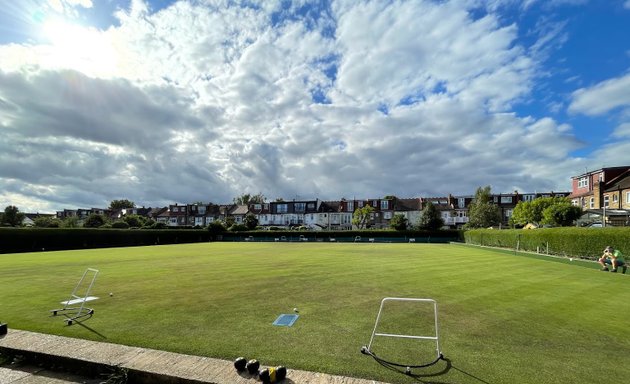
x=602, y=97
x=204, y=102
x=626, y=5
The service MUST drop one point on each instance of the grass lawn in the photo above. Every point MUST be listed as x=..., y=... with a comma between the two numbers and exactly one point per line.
x=504, y=318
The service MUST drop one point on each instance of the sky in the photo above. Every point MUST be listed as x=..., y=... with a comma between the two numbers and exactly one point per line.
x=164, y=102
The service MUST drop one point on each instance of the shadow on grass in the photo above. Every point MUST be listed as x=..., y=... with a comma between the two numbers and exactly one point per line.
x=427, y=378
x=80, y=323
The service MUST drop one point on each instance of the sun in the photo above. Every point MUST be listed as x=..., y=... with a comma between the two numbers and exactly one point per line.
x=81, y=48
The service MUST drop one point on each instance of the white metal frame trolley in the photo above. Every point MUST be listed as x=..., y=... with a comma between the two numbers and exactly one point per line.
x=80, y=295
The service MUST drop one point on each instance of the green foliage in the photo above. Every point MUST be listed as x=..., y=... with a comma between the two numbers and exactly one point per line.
x=46, y=222
x=121, y=204
x=569, y=241
x=246, y=199
x=557, y=211
x=251, y=222
x=120, y=225
x=482, y=213
x=361, y=217
x=238, y=228
x=136, y=221
x=561, y=214
x=70, y=222
x=216, y=228
x=398, y=222
x=95, y=220
x=12, y=216
x=431, y=218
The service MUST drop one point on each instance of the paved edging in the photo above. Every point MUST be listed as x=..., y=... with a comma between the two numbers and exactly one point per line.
x=148, y=365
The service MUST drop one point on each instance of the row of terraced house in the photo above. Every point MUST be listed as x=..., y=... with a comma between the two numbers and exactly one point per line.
x=317, y=214
x=604, y=194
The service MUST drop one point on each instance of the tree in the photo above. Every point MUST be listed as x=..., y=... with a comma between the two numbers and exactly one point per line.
x=12, y=216
x=216, y=227
x=121, y=204
x=562, y=213
x=251, y=221
x=398, y=222
x=247, y=199
x=482, y=213
x=70, y=222
x=361, y=217
x=431, y=218
x=555, y=211
x=95, y=220
x=46, y=222
x=136, y=221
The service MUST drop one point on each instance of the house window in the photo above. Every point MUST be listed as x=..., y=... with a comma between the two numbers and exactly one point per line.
x=627, y=197
x=606, y=201
x=583, y=182
x=506, y=199
x=311, y=205
x=384, y=204
x=591, y=203
x=374, y=203
x=528, y=197
x=387, y=215
x=615, y=198
x=300, y=207
x=257, y=207
x=360, y=204
x=202, y=210
x=461, y=202
x=350, y=206
x=281, y=208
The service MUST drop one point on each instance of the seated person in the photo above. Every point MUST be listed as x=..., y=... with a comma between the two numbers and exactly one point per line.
x=614, y=258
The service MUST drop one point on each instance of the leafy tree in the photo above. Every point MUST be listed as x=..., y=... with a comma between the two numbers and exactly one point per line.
x=247, y=199
x=120, y=225
x=431, y=218
x=70, y=222
x=482, y=213
x=12, y=216
x=361, y=217
x=555, y=211
x=95, y=220
x=238, y=228
x=216, y=227
x=562, y=213
x=251, y=222
x=398, y=222
x=120, y=204
x=46, y=222
x=136, y=221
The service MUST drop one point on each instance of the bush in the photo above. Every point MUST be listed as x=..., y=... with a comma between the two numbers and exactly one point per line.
x=569, y=241
x=238, y=228
x=120, y=225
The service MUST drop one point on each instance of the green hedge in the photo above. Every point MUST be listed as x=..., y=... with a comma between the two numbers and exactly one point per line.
x=570, y=241
x=38, y=239
x=379, y=236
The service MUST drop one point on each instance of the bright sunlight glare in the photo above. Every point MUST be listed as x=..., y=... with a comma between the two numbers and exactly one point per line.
x=73, y=46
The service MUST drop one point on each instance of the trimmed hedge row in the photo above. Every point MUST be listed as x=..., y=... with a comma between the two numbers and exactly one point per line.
x=569, y=241
x=379, y=236
x=14, y=240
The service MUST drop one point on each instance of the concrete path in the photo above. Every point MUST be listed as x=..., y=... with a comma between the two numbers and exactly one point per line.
x=142, y=365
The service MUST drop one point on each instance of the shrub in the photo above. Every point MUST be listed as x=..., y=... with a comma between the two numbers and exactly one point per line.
x=120, y=225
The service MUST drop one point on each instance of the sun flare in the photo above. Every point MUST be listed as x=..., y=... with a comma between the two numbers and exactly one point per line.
x=81, y=48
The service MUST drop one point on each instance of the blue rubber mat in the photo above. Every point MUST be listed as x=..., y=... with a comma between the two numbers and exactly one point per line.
x=286, y=320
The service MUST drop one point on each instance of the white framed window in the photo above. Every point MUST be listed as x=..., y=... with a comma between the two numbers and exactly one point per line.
x=461, y=202
x=583, y=182
x=350, y=206
x=281, y=208
x=615, y=198
x=374, y=203
x=591, y=203
x=360, y=204
x=384, y=204
x=387, y=215
x=506, y=199
x=606, y=200
x=627, y=197
x=257, y=207
x=300, y=207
